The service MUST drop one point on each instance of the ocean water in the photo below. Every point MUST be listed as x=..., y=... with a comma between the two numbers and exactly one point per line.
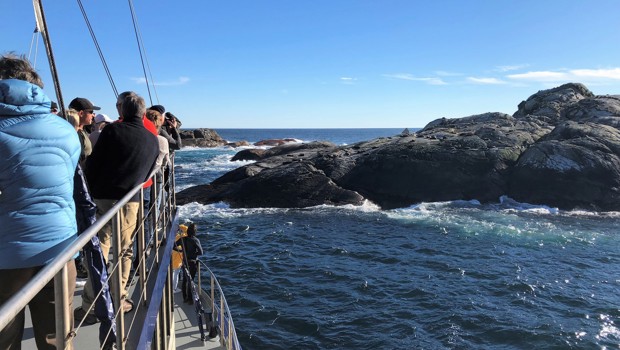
x=450, y=275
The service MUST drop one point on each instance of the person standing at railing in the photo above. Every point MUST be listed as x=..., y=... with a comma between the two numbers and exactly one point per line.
x=177, y=257
x=38, y=157
x=123, y=157
x=85, y=114
x=101, y=120
x=86, y=215
x=191, y=250
x=162, y=161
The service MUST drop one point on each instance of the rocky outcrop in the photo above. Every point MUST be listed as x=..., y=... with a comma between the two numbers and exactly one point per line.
x=201, y=138
x=576, y=164
x=274, y=142
x=561, y=148
x=259, y=153
x=549, y=105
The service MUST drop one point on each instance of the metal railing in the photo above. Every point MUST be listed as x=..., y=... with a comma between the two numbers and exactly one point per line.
x=57, y=268
x=221, y=312
x=152, y=276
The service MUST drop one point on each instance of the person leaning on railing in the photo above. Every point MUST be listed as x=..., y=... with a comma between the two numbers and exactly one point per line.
x=191, y=250
x=38, y=157
x=123, y=158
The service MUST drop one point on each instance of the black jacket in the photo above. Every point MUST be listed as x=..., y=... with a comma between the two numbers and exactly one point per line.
x=192, y=247
x=172, y=135
x=122, y=158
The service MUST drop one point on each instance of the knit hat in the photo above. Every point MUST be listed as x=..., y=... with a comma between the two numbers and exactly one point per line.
x=161, y=109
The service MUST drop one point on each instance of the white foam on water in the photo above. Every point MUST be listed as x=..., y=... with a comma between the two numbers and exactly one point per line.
x=366, y=207
x=222, y=210
x=220, y=162
x=509, y=204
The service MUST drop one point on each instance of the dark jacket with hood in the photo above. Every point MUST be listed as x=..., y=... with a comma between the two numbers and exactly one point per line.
x=122, y=158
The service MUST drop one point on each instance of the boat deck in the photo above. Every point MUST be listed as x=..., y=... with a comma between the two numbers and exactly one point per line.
x=187, y=334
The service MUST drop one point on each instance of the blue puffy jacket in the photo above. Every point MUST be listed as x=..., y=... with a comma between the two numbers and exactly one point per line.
x=39, y=152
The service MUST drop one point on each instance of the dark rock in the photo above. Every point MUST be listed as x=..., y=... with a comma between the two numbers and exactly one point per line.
x=576, y=166
x=249, y=154
x=295, y=185
x=236, y=144
x=259, y=153
x=201, y=138
x=274, y=142
x=598, y=109
x=561, y=148
x=548, y=105
x=202, y=143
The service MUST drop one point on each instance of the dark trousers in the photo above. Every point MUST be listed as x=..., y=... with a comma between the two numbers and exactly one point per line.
x=186, y=289
x=41, y=308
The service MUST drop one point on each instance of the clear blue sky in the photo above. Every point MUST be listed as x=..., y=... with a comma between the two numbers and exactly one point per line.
x=327, y=63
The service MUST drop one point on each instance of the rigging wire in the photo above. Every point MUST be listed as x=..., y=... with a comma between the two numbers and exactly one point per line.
x=34, y=35
x=92, y=34
x=140, y=48
x=148, y=66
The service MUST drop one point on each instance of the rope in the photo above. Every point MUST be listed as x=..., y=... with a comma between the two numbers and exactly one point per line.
x=92, y=34
x=140, y=48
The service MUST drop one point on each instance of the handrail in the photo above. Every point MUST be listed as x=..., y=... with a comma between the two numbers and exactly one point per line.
x=56, y=269
x=159, y=256
x=17, y=302
x=228, y=339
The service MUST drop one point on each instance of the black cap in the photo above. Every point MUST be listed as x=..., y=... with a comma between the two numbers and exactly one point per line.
x=81, y=104
x=54, y=105
x=161, y=109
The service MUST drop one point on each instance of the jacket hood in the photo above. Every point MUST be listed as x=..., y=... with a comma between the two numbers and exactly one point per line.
x=19, y=97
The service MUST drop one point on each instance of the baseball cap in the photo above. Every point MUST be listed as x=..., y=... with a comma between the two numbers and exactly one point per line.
x=81, y=103
x=100, y=118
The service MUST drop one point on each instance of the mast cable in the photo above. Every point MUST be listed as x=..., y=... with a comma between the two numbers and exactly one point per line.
x=148, y=66
x=42, y=26
x=103, y=61
x=36, y=52
x=34, y=35
x=135, y=28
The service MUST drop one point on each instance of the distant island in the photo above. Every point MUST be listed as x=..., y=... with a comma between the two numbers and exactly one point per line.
x=560, y=148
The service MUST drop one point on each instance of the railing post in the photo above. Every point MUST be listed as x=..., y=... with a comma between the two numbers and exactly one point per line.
x=173, y=195
x=118, y=281
x=141, y=256
x=222, y=342
x=212, y=296
x=229, y=338
x=198, y=273
x=64, y=322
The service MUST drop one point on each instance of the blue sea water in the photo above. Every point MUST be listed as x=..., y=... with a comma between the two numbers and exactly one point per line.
x=450, y=275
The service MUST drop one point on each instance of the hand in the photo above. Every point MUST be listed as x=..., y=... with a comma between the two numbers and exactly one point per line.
x=173, y=122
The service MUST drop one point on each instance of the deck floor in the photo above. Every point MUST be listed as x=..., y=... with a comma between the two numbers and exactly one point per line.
x=187, y=335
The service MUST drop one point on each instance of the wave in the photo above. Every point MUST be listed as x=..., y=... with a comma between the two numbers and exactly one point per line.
x=222, y=209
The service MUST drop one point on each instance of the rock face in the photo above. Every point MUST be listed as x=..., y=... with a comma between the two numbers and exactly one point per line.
x=201, y=138
x=561, y=148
